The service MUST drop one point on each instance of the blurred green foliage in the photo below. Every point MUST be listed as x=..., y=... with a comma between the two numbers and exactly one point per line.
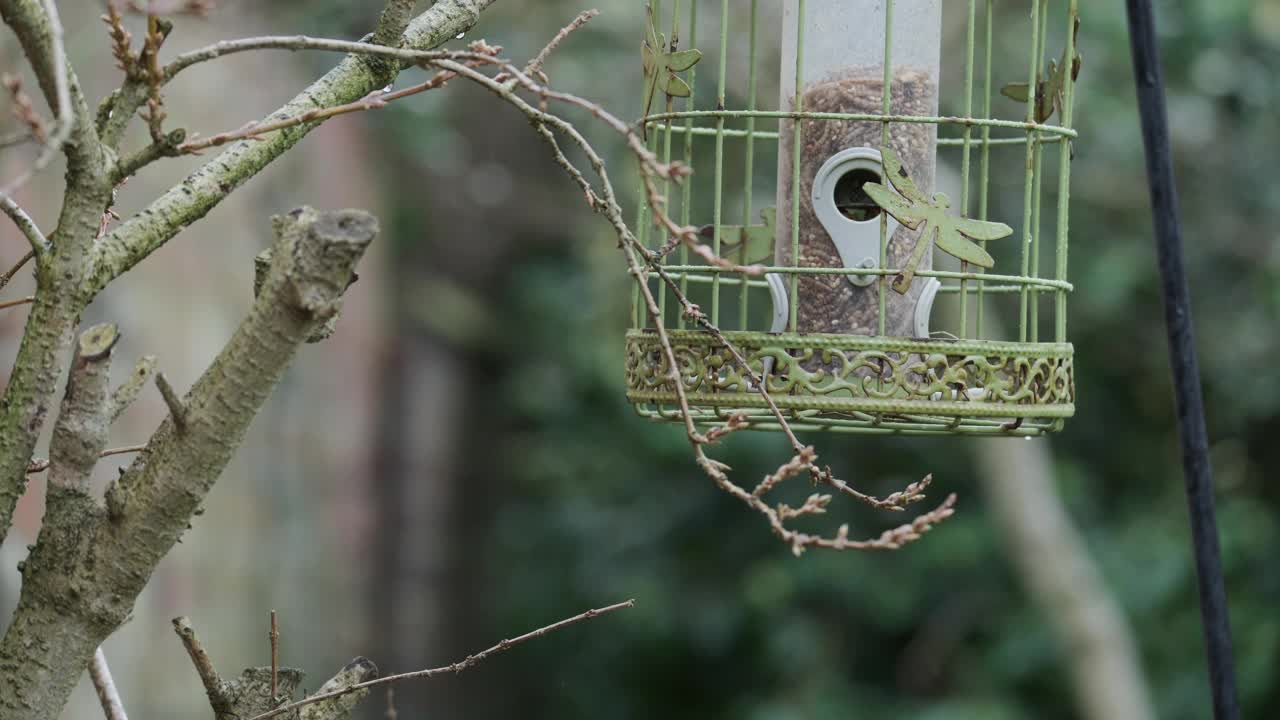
x=593, y=505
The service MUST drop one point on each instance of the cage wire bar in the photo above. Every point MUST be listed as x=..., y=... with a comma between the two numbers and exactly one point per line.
x=968, y=379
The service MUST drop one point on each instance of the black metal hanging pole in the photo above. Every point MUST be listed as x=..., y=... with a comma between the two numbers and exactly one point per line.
x=1182, y=357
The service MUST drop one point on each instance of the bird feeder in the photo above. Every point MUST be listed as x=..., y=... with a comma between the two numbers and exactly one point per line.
x=863, y=295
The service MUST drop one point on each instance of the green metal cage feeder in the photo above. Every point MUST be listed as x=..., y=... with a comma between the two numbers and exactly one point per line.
x=829, y=196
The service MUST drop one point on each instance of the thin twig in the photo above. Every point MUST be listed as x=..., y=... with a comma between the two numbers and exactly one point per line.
x=459, y=666
x=41, y=464
x=15, y=303
x=274, y=636
x=534, y=68
x=8, y=275
x=294, y=42
x=29, y=229
x=112, y=706
x=443, y=59
x=177, y=408
x=373, y=101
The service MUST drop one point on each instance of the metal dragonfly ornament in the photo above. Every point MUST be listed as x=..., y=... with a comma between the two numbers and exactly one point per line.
x=1050, y=90
x=661, y=63
x=951, y=234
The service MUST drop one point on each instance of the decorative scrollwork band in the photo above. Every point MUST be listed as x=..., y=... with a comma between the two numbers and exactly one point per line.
x=833, y=380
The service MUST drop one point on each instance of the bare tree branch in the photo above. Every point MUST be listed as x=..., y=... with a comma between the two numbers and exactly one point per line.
x=15, y=303
x=41, y=464
x=534, y=68
x=641, y=260
x=59, y=296
x=293, y=43
x=354, y=78
x=80, y=584
x=459, y=666
x=8, y=274
x=214, y=687
x=80, y=434
x=372, y=101
x=29, y=687
x=24, y=222
x=604, y=200
x=393, y=21
x=128, y=391
x=346, y=688
x=177, y=408
x=100, y=673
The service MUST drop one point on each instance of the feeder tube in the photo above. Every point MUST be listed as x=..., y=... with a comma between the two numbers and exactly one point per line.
x=834, y=60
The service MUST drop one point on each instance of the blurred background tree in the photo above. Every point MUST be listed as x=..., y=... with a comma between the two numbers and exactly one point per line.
x=481, y=473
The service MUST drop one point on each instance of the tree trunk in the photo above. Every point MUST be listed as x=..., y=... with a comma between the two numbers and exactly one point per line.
x=1053, y=562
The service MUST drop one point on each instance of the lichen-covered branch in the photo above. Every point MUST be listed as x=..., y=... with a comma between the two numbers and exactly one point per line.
x=129, y=390
x=52, y=574
x=81, y=581
x=25, y=224
x=72, y=275
x=354, y=78
x=395, y=18
x=84, y=421
x=348, y=686
x=60, y=266
x=263, y=690
x=251, y=693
